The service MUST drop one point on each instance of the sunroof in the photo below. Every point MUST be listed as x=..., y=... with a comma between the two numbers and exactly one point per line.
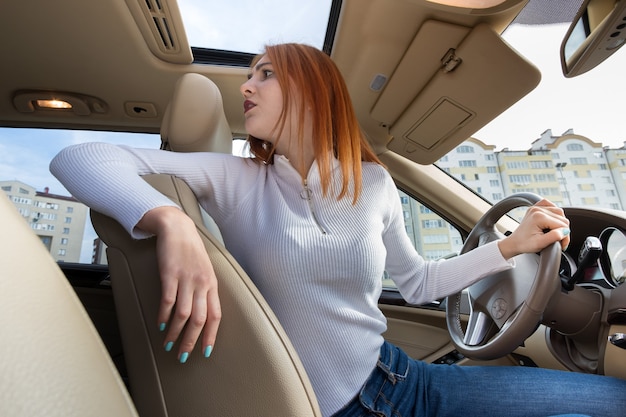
x=247, y=25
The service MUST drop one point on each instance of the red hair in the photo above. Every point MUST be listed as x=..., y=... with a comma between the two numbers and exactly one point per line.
x=322, y=91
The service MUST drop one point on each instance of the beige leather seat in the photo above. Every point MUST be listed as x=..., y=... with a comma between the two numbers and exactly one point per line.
x=253, y=370
x=52, y=360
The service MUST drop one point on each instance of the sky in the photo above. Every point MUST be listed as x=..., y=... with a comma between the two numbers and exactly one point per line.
x=589, y=104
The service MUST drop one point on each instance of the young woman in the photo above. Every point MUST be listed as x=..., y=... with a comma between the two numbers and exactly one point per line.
x=314, y=219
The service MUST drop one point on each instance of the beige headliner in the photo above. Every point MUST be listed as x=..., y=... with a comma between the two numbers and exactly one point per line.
x=103, y=50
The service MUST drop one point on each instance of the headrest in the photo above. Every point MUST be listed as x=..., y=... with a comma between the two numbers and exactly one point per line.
x=194, y=120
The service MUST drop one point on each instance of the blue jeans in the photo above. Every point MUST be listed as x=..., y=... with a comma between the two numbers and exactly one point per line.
x=400, y=386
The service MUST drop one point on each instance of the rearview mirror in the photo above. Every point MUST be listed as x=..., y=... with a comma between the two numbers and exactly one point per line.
x=597, y=31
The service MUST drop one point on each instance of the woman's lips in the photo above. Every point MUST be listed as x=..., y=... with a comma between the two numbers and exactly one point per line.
x=247, y=105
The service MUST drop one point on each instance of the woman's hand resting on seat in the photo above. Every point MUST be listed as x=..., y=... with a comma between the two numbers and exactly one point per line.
x=189, y=297
x=543, y=224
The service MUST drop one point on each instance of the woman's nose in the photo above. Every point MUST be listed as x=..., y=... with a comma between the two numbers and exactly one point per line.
x=246, y=88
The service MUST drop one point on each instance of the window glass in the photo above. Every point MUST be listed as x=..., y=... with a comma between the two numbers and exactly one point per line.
x=431, y=235
x=245, y=26
x=61, y=222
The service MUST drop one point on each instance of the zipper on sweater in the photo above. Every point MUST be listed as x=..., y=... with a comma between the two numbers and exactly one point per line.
x=306, y=195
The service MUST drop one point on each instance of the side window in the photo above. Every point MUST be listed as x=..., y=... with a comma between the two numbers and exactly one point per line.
x=431, y=235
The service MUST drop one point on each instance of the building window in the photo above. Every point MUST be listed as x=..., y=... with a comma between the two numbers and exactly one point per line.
x=68, y=220
x=64, y=241
x=465, y=149
x=61, y=252
x=586, y=187
x=432, y=239
x=21, y=200
x=467, y=163
x=6, y=188
x=517, y=165
x=70, y=210
x=578, y=161
x=432, y=224
x=47, y=241
x=492, y=170
x=520, y=179
x=490, y=157
x=544, y=177
x=540, y=164
x=494, y=183
x=66, y=230
x=574, y=147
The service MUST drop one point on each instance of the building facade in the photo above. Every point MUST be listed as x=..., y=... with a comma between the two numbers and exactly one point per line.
x=570, y=170
x=59, y=221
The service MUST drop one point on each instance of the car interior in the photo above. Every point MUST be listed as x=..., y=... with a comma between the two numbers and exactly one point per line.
x=423, y=75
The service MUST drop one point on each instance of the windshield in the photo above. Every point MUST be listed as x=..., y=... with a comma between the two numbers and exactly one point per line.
x=564, y=140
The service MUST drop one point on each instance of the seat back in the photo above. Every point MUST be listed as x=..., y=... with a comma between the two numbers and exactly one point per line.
x=194, y=120
x=52, y=360
x=253, y=370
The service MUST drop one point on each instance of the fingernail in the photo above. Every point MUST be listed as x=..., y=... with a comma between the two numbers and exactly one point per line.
x=183, y=357
x=162, y=327
x=565, y=231
x=169, y=346
x=207, y=351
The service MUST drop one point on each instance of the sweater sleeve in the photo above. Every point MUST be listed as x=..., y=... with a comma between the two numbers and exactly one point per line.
x=420, y=281
x=107, y=178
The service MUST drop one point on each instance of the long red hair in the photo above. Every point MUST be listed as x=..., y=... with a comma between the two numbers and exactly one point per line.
x=322, y=91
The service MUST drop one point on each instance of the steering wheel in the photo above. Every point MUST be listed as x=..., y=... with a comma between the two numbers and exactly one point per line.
x=509, y=303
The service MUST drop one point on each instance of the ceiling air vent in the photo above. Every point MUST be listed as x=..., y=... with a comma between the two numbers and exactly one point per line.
x=160, y=18
x=162, y=27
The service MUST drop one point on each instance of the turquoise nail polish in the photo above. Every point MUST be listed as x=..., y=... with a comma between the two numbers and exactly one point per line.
x=183, y=357
x=207, y=351
x=169, y=346
x=161, y=327
x=565, y=231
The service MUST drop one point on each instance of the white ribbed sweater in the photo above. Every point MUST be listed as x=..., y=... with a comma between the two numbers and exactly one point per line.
x=318, y=262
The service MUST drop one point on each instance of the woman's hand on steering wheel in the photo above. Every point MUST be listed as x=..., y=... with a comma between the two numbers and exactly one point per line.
x=543, y=224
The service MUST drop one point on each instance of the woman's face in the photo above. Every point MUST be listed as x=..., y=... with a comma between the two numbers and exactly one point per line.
x=263, y=102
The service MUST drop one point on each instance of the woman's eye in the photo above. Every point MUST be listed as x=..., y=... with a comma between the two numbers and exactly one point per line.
x=267, y=73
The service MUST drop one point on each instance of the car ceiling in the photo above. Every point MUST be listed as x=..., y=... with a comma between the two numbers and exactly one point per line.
x=390, y=52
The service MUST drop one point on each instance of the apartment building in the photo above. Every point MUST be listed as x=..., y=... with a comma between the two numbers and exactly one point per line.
x=59, y=221
x=568, y=169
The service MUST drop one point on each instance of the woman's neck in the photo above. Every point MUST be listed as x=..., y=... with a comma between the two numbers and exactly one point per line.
x=300, y=157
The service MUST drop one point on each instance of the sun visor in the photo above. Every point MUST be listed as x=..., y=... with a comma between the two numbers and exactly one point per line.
x=475, y=77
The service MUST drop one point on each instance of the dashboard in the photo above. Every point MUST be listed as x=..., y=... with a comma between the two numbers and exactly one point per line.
x=597, y=251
